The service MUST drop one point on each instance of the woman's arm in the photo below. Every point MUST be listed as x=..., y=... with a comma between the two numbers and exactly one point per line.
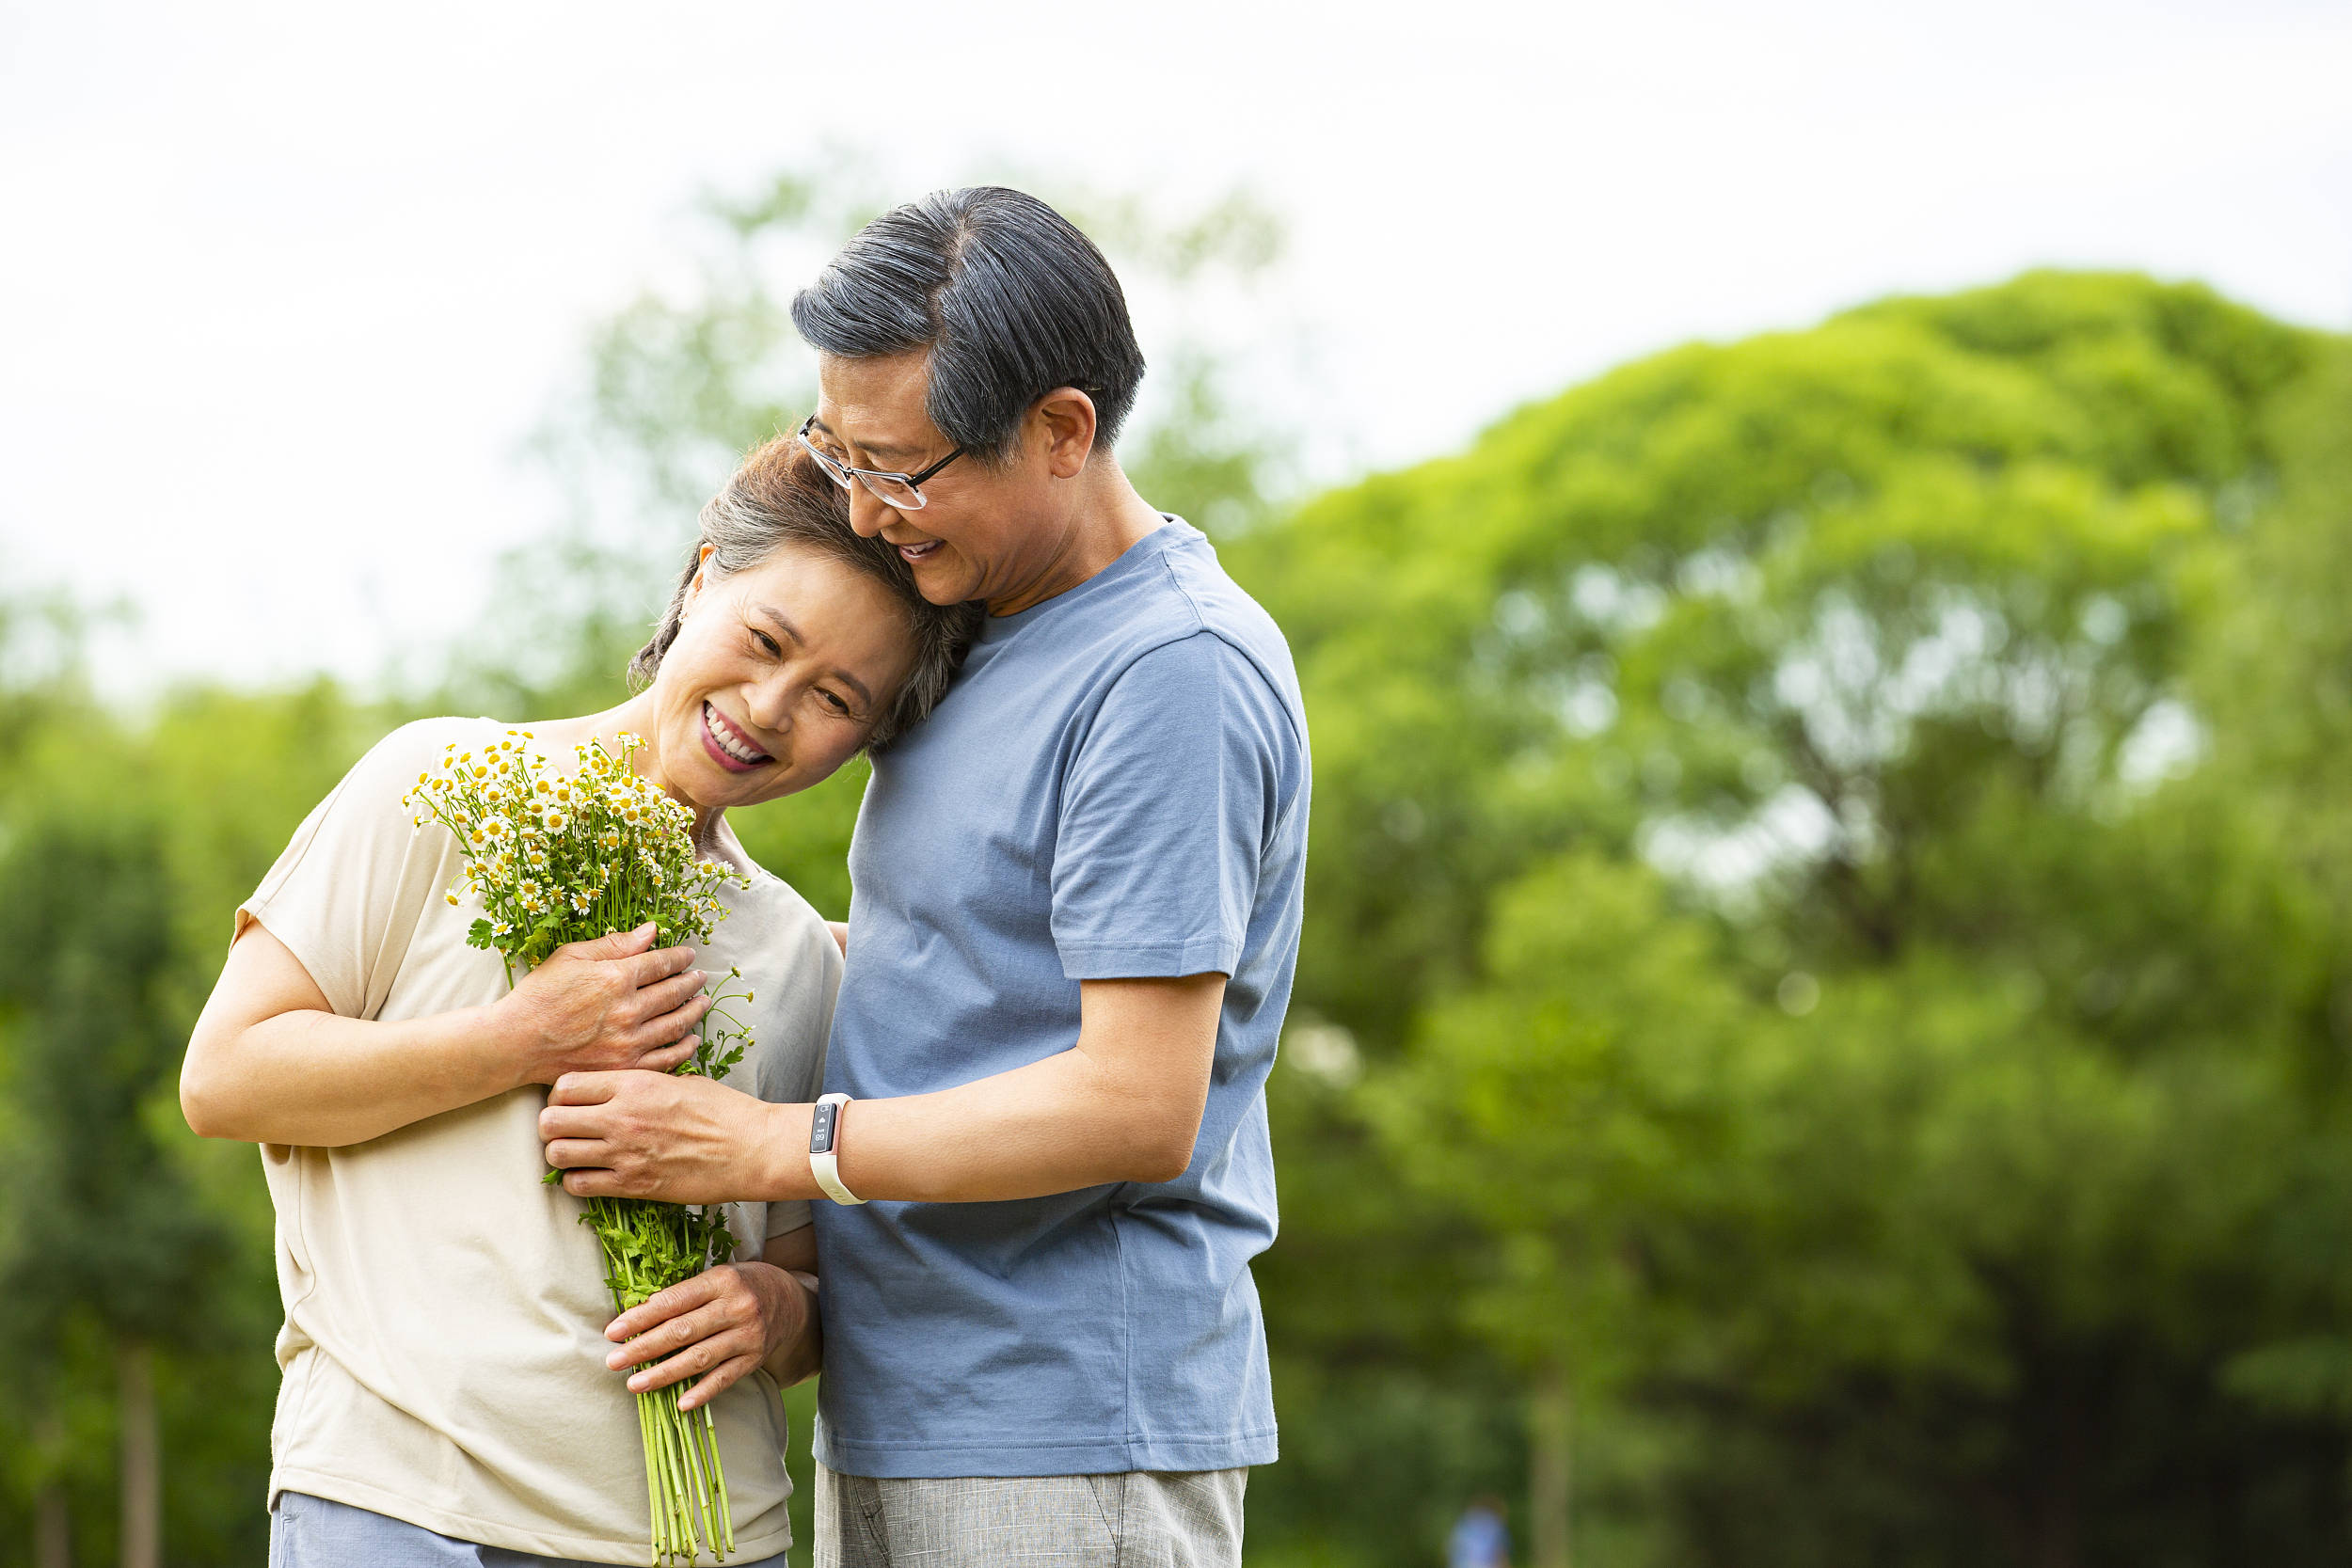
x=726, y=1321
x=271, y=1062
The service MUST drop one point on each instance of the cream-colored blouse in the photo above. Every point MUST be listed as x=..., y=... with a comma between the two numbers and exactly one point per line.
x=444, y=1349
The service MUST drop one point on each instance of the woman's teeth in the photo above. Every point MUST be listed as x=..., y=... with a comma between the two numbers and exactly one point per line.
x=724, y=739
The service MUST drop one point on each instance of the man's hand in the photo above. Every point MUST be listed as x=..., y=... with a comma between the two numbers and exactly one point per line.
x=720, y=1326
x=682, y=1140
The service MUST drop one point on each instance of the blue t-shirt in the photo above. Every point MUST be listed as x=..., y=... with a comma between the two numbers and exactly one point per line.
x=1115, y=787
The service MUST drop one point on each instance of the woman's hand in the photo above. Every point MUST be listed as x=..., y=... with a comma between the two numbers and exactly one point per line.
x=719, y=1325
x=604, y=1005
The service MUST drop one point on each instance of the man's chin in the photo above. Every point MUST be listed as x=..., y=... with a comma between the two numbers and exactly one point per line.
x=941, y=584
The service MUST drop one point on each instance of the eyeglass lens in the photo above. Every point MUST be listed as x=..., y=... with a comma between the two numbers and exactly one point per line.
x=891, y=492
x=894, y=492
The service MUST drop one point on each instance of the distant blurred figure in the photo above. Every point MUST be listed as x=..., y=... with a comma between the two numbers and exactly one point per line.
x=1480, y=1538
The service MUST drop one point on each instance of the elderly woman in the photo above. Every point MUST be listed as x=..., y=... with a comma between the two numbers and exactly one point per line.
x=453, y=1392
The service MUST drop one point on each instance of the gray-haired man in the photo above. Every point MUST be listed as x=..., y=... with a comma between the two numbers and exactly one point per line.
x=1075, y=917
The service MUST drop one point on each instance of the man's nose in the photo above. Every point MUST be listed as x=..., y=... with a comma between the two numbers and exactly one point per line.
x=869, y=513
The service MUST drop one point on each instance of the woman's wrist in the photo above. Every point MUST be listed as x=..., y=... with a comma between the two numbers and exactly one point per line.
x=513, y=1046
x=794, y=1346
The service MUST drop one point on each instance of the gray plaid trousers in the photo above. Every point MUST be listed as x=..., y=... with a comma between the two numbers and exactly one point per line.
x=1135, y=1519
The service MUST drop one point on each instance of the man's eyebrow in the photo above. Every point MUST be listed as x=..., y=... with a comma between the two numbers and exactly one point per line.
x=877, y=448
x=782, y=623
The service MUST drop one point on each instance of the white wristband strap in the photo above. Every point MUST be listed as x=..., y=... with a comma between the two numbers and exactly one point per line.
x=824, y=1135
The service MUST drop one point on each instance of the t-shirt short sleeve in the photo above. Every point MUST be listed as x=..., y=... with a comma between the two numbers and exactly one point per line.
x=346, y=894
x=1166, y=807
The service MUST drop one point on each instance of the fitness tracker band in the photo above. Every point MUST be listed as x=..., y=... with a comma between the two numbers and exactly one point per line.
x=824, y=1134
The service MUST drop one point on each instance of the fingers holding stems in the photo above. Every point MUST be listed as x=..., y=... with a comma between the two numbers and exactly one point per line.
x=717, y=1327
x=607, y=1004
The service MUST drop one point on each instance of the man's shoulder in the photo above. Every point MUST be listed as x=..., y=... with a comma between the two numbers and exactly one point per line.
x=1171, y=620
x=1223, y=610
x=1183, y=593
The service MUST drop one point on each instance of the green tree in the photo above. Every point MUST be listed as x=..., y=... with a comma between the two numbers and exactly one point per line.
x=103, y=1235
x=1750, y=855
x=179, y=816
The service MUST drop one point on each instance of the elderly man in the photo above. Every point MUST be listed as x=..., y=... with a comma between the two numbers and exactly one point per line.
x=1075, y=918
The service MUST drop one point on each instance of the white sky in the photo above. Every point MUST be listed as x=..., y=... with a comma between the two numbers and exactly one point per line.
x=283, y=287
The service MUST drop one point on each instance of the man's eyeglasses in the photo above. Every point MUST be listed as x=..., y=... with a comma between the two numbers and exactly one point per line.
x=903, y=491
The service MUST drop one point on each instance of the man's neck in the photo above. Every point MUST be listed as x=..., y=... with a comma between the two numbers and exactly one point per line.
x=1111, y=520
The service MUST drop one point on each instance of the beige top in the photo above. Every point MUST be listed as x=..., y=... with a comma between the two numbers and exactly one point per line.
x=443, y=1349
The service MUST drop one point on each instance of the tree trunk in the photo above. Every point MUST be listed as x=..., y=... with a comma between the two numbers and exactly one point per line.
x=1549, y=1476
x=142, y=1456
x=52, y=1532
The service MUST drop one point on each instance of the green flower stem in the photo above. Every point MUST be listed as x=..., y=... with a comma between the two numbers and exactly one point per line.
x=653, y=1489
x=719, y=1470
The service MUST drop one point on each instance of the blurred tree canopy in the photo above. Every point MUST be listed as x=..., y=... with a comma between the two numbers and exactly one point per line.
x=1788, y=853
x=1823, y=1025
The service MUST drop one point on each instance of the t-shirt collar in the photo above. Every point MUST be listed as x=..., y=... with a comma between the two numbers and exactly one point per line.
x=1173, y=532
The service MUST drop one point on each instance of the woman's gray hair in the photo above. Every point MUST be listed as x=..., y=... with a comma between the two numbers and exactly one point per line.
x=780, y=496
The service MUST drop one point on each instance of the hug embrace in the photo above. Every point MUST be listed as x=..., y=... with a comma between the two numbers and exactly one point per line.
x=993, y=1158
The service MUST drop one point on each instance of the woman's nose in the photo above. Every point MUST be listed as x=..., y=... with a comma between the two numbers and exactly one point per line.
x=769, y=705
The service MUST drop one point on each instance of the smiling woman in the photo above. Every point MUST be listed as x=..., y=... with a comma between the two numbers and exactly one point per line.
x=781, y=501
x=443, y=1306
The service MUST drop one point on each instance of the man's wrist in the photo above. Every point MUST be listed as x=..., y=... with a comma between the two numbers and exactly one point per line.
x=785, y=1153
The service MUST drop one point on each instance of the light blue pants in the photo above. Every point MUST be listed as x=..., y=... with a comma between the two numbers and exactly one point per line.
x=312, y=1532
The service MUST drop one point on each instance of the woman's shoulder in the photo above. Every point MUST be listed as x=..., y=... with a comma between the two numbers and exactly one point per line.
x=779, y=941
x=762, y=897
x=768, y=907
x=791, y=970
x=376, y=786
x=419, y=746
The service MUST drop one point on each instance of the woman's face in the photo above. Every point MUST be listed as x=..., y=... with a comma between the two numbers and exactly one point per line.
x=776, y=677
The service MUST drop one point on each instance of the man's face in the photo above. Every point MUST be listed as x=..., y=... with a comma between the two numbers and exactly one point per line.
x=986, y=533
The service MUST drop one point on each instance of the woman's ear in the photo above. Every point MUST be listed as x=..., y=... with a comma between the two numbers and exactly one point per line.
x=702, y=574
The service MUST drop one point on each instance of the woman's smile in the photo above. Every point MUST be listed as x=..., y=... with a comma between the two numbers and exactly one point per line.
x=725, y=739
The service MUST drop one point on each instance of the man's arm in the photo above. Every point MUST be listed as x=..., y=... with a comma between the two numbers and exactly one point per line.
x=1122, y=1104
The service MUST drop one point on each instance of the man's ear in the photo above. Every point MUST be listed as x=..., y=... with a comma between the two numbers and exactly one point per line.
x=1067, y=417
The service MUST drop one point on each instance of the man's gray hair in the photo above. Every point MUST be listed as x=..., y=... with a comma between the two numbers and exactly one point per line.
x=1010, y=299
x=780, y=496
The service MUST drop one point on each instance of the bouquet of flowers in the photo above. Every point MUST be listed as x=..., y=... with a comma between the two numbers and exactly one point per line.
x=560, y=860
